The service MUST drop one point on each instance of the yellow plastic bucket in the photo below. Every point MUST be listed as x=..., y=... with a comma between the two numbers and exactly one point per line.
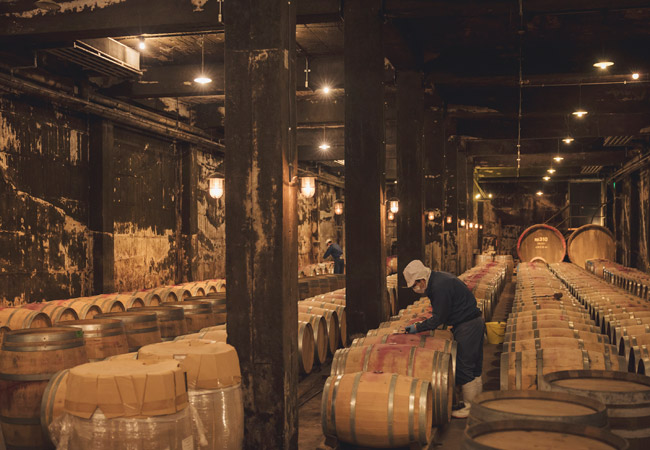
x=495, y=332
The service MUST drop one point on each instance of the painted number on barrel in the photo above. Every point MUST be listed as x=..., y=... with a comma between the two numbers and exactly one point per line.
x=541, y=242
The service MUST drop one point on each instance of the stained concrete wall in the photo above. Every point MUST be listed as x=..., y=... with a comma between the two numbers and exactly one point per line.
x=631, y=224
x=317, y=223
x=45, y=243
x=46, y=246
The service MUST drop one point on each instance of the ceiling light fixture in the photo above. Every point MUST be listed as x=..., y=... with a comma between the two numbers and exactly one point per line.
x=539, y=193
x=326, y=90
x=568, y=140
x=551, y=170
x=558, y=158
x=602, y=65
x=580, y=113
x=546, y=178
x=324, y=146
x=202, y=78
x=477, y=196
x=635, y=76
x=141, y=43
x=489, y=195
x=391, y=216
x=393, y=205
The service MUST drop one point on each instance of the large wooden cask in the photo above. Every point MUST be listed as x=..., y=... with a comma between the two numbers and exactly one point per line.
x=198, y=314
x=20, y=318
x=28, y=359
x=590, y=242
x=541, y=242
x=526, y=369
x=340, y=311
x=102, y=337
x=537, y=405
x=331, y=321
x=377, y=409
x=108, y=303
x=84, y=308
x=218, y=303
x=524, y=434
x=305, y=347
x=417, y=362
x=626, y=396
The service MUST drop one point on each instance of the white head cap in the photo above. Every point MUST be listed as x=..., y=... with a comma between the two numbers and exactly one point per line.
x=414, y=271
x=329, y=241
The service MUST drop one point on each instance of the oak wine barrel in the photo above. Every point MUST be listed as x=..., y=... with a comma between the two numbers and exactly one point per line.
x=305, y=347
x=522, y=335
x=53, y=400
x=331, y=321
x=377, y=409
x=102, y=337
x=559, y=342
x=541, y=242
x=218, y=304
x=198, y=314
x=171, y=320
x=19, y=318
x=57, y=312
x=28, y=359
x=321, y=340
x=141, y=328
x=590, y=242
x=84, y=308
x=417, y=362
x=519, y=434
x=525, y=369
x=626, y=396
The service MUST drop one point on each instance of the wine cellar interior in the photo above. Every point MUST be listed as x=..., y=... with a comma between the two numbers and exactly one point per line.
x=324, y=224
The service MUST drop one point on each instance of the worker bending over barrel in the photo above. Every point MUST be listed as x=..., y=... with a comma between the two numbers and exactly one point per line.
x=454, y=305
x=335, y=251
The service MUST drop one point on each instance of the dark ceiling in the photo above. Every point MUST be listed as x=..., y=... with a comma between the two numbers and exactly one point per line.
x=469, y=51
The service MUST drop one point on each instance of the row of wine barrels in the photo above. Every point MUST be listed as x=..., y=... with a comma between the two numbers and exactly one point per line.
x=56, y=312
x=321, y=339
x=486, y=281
x=626, y=396
x=20, y=318
x=340, y=311
x=305, y=347
x=218, y=303
x=331, y=320
x=171, y=320
x=28, y=359
x=198, y=314
x=627, y=278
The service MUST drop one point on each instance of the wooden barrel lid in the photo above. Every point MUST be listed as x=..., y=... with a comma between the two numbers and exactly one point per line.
x=126, y=388
x=518, y=434
x=590, y=242
x=604, y=385
x=209, y=365
x=541, y=242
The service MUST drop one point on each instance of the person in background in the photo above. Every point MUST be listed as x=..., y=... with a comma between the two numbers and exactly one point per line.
x=335, y=251
x=453, y=304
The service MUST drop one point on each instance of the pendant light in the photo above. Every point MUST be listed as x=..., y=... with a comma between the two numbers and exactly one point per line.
x=338, y=207
x=202, y=78
x=558, y=158
x=308, y=186
x=393, y=205
x=216, y=186
x=580, y=112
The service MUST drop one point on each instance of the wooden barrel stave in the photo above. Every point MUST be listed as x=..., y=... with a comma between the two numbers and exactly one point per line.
x=305, y=347
x=141, y=328
x=102, y=337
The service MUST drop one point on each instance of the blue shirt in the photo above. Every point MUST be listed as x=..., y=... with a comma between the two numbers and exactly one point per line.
x=333, y=250
x=452, y=302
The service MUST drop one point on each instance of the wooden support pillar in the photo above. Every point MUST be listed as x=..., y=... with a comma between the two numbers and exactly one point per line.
x=410, y=178
x=451, y=208
x=101, y=205
x=189, y=211
x=434, y=193
x=463, y=210
x=365, y=209
x=261, y=219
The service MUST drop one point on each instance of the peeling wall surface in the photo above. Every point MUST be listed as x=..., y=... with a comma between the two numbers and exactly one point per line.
x=144, y=211
x=45, y=244
x=643, y=262
x=317, y=223
x=632, y=220
x=210, y=241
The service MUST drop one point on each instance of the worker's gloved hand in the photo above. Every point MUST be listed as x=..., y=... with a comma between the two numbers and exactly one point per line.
x=411, y=329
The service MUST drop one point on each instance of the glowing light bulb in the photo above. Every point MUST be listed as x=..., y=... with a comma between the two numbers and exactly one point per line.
x=546, y=178
x=477, y=196
x=308, y=186
x=462, y=223
x=393, y=206
x=216, y=189
x=391, y=216
x=203, y=79
x=431, y=215
x=551, y=170
x=326, y=89
x=324, y=146
x=558, y=158
x=580, y=113
x=449, y=219
x=489, y=195
x=635, y=76
x=567, y=140
x=141, y=43
x=539, y=193
x=602, y=65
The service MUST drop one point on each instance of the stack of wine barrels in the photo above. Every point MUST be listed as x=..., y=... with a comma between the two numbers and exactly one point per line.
x=313, y=270
x=550, y=330
x=624, y=317
x=373, y=380
x=486, y=282
x=483, y=258
x=632, y=280
x=509, y=262
x=319, y=284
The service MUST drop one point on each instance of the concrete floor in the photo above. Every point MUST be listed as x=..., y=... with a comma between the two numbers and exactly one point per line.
x=450, y=438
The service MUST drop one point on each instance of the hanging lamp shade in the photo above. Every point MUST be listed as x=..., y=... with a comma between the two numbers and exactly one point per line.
x=308, y=186
x=216, y=186
x=338, y=207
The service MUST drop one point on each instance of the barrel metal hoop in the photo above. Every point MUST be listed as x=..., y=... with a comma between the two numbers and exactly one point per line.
x=333, y=410
x=414, y=384
x=538, y=344
x=323, y=407
x=608, y=359
x=47, y=408
x=143, y=330
x=586, y=363
x=366, y=358
x=20, y=420
x=45, y=348
x=353, y=406
x=26, y=377
x=409, y=367
x=581, y=344
x=423, y=341
x=422, y=408
x=518, y=370
x=391, y=407
x=12, y=314
x=536, y=333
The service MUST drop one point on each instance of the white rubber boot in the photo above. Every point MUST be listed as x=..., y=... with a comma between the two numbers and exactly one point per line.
x=470, y=391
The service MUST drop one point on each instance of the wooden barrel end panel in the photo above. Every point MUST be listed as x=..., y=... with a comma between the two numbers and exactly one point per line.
x=541, y=242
